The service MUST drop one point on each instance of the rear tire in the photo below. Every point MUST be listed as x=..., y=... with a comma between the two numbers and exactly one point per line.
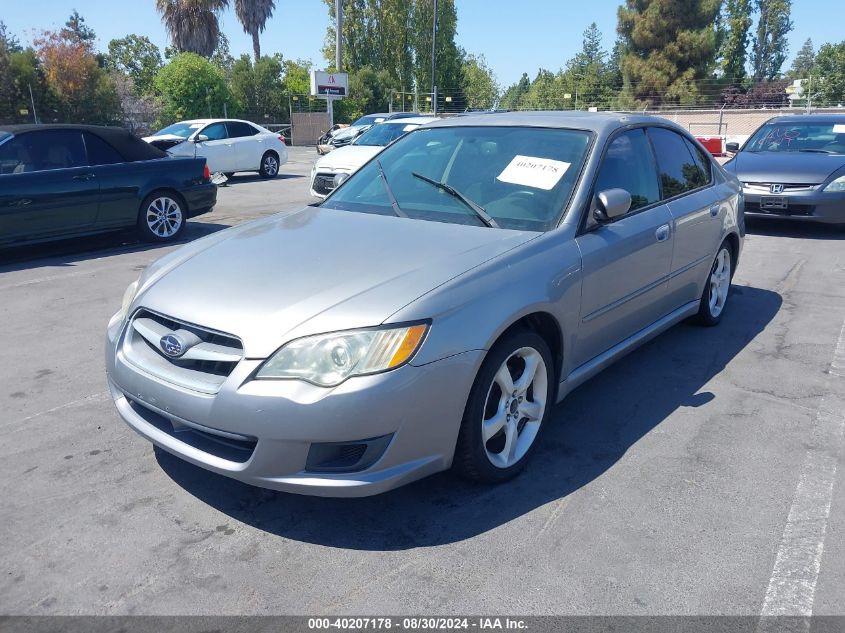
x=269, y=165
x=507, y=407
x=162, y=217
x=714, y=298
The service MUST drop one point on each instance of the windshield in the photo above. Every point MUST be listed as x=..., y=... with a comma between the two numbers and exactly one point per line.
x=369, y=119
x=384, y=133
x=826, y=138
x=180, y=129
x=521, y=176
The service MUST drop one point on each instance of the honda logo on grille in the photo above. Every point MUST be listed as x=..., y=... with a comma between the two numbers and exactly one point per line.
x=776, y=188
x=172, y=345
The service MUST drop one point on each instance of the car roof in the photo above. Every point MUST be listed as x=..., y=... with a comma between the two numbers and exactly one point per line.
x=566, y=119
x=411, y=120
x=127, y=144
x=808, y=118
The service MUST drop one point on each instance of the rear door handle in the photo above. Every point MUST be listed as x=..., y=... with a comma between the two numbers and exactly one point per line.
x=662, y=233
x=714, y=210
x=87, y=176
x=20, y=203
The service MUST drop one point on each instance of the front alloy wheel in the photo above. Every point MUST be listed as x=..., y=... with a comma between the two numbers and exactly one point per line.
x=508, y=404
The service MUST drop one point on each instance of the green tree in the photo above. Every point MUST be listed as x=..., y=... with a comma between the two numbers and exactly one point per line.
x=514, y=95
x=770, y=46
x=9, y=41
x=804, y=61
x=371, y=88
x=75, y=30
x=829, y=75
x=671, y=47
x=253, y=16
x=192, y=87
x=136, y=57
x=193, y=25
x=222, y=57
x=737, y=22
x=478, y=83
x=448, y=59
x=259, y=87
x=588, y=76
x=296, y=76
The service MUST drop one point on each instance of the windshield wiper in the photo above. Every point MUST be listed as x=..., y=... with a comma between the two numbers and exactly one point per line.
x=478, y=210
x=393, y=203
x=817, y=151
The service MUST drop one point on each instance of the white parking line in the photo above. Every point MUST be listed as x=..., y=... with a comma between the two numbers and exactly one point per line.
x=94, y=397
x=792, y=587
x=38, y=280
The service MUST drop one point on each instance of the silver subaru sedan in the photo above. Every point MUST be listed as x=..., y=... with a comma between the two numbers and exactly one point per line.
x=433, y=309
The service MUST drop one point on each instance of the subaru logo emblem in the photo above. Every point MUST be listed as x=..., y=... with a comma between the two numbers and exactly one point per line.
x=172, y=345
x=776, y=188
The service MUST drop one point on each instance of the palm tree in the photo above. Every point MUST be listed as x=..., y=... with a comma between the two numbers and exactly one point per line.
x=253, y=15
x=192, y=24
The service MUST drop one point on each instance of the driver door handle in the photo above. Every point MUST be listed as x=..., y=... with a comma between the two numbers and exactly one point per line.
x=714, y=210
x=662, y=233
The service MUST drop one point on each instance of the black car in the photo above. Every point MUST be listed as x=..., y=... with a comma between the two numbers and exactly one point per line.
x=59, y=181
x=793, y=168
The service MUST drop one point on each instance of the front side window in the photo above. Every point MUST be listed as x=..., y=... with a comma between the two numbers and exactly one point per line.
x=42, y=151
x=215, y=131
x=679, y=171
x=628, y=165
x=521, y=176
x=824, y=138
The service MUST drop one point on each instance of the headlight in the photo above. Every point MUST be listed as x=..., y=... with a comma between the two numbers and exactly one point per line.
x=339, y=179
x=128, y=297
x=836, y=185
x=329, y=359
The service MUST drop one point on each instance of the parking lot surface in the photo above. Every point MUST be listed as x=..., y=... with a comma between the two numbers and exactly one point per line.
x=702, y=474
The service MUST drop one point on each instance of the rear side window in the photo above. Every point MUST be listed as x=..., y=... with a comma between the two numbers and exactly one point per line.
x=679, y=171
x=628, y=165
x=100, y=152
x=42, y=151
x=239, y=129
x=215, y=131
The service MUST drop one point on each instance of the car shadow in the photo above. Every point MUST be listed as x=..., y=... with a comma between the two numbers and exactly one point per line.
x=71, y=251
x=587, y=434
x=794, y=229
x=246, y=178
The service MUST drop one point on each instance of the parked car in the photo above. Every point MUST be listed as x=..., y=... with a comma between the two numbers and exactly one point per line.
x=345, y=136
x=793, y=168
x=229, y=145
x=60, y=181
x=445, y=297
x=329, y=171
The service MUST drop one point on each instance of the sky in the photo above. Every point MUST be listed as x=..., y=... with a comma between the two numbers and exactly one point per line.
x=515, y=37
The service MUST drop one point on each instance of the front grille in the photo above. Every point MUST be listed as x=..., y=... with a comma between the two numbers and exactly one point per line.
x=229, y=447
x=324, y=184
x=766, y=187
x=210, y=357
x=798, y=210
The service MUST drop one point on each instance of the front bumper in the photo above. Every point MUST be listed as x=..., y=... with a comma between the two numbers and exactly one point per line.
x=812, y=205
x=418, y=407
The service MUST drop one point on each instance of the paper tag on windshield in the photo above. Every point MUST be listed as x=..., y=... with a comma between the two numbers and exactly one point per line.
x=540, y=173
x=839, y=129
x=409, y=127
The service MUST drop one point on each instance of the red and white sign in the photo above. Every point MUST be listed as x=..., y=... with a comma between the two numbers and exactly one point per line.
x=329, y=84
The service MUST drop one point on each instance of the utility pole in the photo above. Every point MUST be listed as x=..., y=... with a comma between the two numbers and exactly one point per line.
x=433, y=57
x=338, y=46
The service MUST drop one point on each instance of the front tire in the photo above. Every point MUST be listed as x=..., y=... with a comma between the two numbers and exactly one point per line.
x=269, y=165
x=508, y=404
x=714, y=298
x=162, y=217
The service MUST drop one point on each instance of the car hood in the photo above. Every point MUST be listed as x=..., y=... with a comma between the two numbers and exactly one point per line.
x=312, y=271
x=785, y=167
x=164, y=137
x=350, y=157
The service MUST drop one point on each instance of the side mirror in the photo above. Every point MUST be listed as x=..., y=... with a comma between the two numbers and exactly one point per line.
x=732, y=147
x=200, y=138
x=611, y=204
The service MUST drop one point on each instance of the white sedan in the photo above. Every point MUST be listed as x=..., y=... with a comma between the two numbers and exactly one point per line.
x=228, y=145
x=332, y=169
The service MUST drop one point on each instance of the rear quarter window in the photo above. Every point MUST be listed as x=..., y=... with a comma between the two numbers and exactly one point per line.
x=100, y=152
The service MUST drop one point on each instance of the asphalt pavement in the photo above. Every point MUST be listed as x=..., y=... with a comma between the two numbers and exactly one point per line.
x=702, y=474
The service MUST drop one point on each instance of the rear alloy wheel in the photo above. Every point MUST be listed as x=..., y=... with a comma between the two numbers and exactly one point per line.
x=510, y=399
x=162, y=218
x=716, y=290
x=269, y=165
